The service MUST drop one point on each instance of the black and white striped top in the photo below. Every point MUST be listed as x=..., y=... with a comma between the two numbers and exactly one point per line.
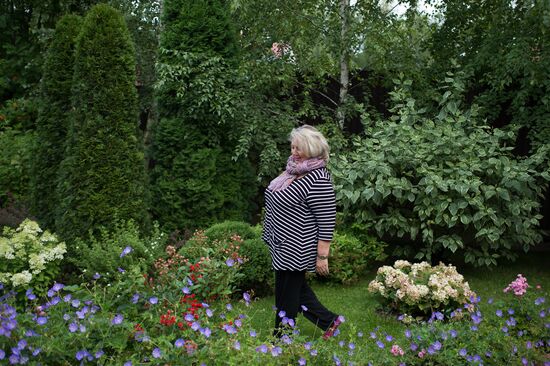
x=296, y=218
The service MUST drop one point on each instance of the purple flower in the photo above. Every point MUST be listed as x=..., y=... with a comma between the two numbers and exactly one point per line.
x=186, y=290
x=490, y=301
x=407, y=333
x=282, y=314
x=237, y=345
x=414, y=347
x=437, y=345
x=195, y=326
x=389, y=338
x=121, y=270
x=453, y=333
x=99, y=353
x=230, y=262
x=252, y=333
x=504, y=329
x=209, y=313
x=307, y=345
x=511, y=311
x=302, y=361
x=153, y=300
x=380, y=344
x=276, y=351
x=156, y=353
x=75, y=303
x=128, y=363
x=73, y=327
x=313, y=352
x=542, y=314
x=539, y=300
x=117, y=319
x=262, y=348
x=135, y=298
x=30, y=295
x=499, y=313
x=246, y=297
x=2, y=354
x=229, y=307
x=304, y=308
x=41, y=320
x=126, y=251
x=179, y=343
x=57, y=287
x=81, y=354
x=207, y=332
x=96, y=276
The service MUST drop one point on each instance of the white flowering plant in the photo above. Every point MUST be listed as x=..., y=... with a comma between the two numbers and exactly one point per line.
x=420, y=289
x=29, y=257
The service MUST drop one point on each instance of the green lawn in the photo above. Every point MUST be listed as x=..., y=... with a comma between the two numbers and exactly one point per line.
x=359, y=306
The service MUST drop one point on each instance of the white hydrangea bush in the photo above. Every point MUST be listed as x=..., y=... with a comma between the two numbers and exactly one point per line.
x=419, y=288
x=29, y=257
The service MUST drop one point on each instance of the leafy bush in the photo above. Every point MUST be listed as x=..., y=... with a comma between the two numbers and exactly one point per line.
x=350, y=257
x=29, y=257
x=227, y=229
x=102, y=253
x=15, y=162
x=258, y=276
x=420, y=289
x=443, y=185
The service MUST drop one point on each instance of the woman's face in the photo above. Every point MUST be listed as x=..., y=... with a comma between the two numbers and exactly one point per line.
x=295, y=150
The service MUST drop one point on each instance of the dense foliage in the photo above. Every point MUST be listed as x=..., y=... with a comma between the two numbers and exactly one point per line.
x=445, y=183
x=194, y=180
x=53, y=118
x=102, y=176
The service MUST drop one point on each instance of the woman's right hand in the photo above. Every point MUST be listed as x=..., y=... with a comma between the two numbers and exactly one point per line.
x=322, y=267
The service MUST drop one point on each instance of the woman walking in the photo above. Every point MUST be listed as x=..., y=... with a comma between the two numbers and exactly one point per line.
x=298, y=227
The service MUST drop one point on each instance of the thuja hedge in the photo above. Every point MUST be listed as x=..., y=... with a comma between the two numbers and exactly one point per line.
x=443, y=184
x=53, y=123
x=103, y=174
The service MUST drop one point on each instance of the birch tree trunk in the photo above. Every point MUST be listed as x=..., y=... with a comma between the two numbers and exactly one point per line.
x=344, y=63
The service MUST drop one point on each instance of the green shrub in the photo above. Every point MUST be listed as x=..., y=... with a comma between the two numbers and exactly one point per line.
x=443, y=185
x=103, y=253
x=102, y=177
x=15, y=162
x=53, y=118
x=227, y=229
x=351, y=257
x=236, y=240
x=30, y=258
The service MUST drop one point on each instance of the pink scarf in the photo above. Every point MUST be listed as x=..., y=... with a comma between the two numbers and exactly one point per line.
x=294, y=169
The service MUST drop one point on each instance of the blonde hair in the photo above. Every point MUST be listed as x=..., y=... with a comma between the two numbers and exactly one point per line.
x=310, y=141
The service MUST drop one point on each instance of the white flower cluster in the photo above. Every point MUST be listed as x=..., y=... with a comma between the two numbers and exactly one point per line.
x=27, y=251
x=421, y=285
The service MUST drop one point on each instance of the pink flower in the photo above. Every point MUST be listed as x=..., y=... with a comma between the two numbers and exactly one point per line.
x=422, y=353
x=396, y=350
x=518, y=286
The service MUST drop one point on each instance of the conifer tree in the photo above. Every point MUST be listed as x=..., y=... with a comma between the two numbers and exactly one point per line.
x=53, y=122
x=103, y=174
x=194, y=180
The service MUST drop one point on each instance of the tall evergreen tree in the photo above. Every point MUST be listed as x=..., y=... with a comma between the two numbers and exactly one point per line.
x=103, y=174
x=194, y=180
x=52, y=123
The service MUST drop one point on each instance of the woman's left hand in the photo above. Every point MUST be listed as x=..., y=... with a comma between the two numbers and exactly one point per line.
x=322, y=267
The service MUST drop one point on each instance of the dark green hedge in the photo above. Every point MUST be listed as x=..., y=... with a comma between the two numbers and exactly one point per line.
x=53, y=123
x=102, y=177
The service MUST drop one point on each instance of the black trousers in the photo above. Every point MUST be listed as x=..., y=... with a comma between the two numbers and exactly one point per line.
x=291, y=292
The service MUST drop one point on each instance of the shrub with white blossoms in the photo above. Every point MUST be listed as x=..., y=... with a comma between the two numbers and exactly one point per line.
x=419, y=288
x=29, y=257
